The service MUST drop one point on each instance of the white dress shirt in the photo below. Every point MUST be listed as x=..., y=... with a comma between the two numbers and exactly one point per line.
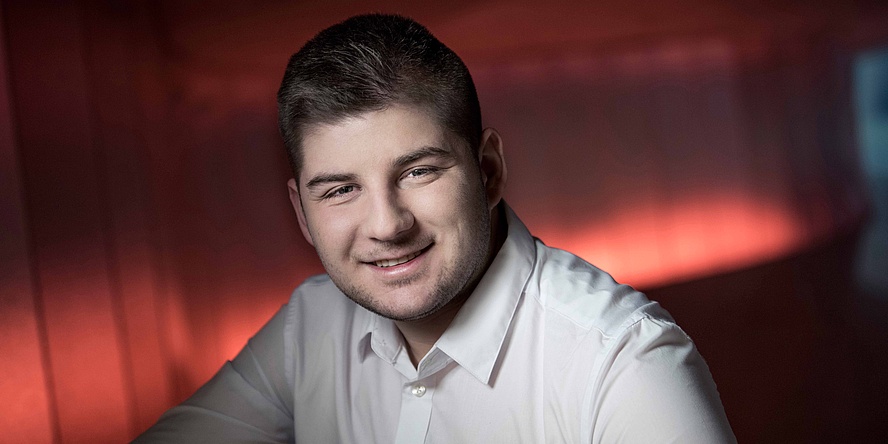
x=548, y=349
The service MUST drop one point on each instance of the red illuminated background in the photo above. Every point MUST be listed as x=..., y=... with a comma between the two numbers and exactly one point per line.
x=701, y=150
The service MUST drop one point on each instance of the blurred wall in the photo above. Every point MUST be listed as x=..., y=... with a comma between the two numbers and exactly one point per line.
x=133, y=272
x=146, y=229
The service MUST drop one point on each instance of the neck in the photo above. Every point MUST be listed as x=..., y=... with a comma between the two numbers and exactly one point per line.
x=422, y=334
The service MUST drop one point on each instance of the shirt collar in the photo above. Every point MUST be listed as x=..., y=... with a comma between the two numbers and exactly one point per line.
x=476, y=335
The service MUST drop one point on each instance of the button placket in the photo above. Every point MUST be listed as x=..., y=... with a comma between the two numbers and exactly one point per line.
x=416, y=411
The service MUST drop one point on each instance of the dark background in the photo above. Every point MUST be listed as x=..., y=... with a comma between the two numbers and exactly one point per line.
x=727, y=157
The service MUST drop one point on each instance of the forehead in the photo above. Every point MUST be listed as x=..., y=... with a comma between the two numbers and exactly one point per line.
x=371, y=140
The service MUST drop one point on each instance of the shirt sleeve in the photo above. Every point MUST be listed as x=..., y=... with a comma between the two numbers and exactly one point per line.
x=247, y=401
x=655, y=388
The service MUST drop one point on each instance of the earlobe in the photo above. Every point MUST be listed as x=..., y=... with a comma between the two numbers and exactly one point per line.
x=296, y=202
x=493, y=166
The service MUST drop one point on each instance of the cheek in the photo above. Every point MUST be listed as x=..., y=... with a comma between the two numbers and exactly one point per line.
x=444, y=206
x=332, y=230
x=458, y=207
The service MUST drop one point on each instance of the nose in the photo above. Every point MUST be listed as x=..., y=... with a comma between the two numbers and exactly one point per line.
x=389, y=217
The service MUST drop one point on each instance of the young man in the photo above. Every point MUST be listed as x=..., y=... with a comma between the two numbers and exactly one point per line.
x=441, y=319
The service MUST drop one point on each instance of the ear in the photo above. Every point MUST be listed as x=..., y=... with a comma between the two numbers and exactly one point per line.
x=293, y=189
x=493, y=166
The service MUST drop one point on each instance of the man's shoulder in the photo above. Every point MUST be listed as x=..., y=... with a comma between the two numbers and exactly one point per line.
x=568, y=287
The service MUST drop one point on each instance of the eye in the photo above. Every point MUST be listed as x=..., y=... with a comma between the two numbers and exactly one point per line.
x=340, y=192
x=420, y=176
x=421, y=173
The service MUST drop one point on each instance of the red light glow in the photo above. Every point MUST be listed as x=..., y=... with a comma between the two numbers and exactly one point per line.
x=699, y=236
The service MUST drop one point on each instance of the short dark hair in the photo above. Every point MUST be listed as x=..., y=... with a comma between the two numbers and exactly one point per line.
x=368, y=63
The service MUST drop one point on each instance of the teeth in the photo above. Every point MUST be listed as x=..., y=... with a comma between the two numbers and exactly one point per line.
x=398, y=261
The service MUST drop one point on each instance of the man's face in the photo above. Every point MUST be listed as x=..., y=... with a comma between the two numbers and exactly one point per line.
x=397, y=209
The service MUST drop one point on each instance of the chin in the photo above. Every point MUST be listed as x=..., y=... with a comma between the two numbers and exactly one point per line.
x=414, y=315
x=397, y=306
x=401, y=303
x=402, y=313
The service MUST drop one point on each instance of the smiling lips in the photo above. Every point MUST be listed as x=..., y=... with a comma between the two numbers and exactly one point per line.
x=398, y=261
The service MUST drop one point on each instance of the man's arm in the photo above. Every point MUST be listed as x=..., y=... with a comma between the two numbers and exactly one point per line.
x=247, y=401
x=655, y=387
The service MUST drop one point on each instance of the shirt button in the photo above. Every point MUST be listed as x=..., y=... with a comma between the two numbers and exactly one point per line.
x=418, y=390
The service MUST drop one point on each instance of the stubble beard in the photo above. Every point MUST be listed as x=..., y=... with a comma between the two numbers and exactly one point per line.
x=457, y=278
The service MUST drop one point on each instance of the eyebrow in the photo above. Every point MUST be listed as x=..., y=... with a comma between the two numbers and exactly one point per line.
x=421, y=153
x=323, y=178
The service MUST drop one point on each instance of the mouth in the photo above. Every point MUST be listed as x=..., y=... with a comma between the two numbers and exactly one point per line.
x=386, y=263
